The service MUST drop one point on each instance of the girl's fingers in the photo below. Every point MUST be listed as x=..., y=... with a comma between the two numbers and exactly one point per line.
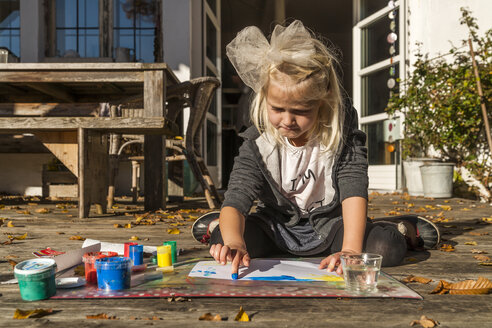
x=246, y=259
x=216, y=254
x=224, y=253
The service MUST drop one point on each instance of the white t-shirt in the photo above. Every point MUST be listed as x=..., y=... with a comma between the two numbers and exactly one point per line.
x=302, y=175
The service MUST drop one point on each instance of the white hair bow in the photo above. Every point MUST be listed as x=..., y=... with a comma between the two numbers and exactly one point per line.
x=252, y=55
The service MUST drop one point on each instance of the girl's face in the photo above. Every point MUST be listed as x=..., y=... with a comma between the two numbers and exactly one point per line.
x=290, y=114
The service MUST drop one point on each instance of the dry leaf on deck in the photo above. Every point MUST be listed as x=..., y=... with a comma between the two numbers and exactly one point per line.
x=12, y=263
x=486, y=263
x=10, y=224
x=37, y=313
x=209, y=317
x=466, y=287
x=173, y=231
x=482, y=258
x=478, y=251
x=8, y=242
x=473, y=233
x=445, y=207
x=26, y=212
x=412, y=278
x=447, y=248
x=117, y=225
x=425, y=322
x=43, y=210
x=128, y=225
x=472, y=243
x=241, y=315
x=76, y=238
x=134, y=238
x=22, y=237
x=101, y=316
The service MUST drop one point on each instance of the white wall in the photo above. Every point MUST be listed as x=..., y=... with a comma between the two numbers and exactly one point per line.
x=21, y=173
x=436, y=23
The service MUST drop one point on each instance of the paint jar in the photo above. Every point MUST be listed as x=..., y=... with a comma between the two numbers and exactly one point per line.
x=135, y=253
x=164, y=256
x=113, y=273
x=174, y=249
x=36, y=279
x=89, y=259
x=127, y=248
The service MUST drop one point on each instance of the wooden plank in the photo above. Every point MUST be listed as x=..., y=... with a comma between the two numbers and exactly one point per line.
x=84, y=202
x=61, y=76
x=83, y=66
x=56, y=91
x=154, y=146
x=63, y=145
x=136, y=125
x=49, y=109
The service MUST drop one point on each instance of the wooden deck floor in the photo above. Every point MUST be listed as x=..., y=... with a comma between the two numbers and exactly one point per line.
x=53, y=229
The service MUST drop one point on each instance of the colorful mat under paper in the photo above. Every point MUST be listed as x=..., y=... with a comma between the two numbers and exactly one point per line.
x=179, y=284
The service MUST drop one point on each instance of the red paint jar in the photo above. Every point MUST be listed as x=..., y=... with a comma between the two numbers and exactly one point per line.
x=89, y=259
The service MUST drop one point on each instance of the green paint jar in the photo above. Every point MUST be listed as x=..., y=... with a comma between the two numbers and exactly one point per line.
x=174, y=250
x=36, y=279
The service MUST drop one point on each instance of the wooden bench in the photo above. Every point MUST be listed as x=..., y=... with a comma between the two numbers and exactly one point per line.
x=81, y=143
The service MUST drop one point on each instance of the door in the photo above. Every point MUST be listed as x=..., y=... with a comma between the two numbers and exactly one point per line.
x=212, y=135
x=378, y=66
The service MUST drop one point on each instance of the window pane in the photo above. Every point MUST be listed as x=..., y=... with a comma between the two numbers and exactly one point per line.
x=375, y=91
x=89, y=43
x=10, y=39
x=88, y=13
x=211, y=41
x=66, y=42
x=374, y=44
x=66, y=13
x=145, y=46
x=376, y=147
x=211, y=143
x=9, y=14
x=369, y=7
x=121, y=17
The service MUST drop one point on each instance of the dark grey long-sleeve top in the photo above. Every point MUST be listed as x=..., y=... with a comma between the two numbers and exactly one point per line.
x=256, y=176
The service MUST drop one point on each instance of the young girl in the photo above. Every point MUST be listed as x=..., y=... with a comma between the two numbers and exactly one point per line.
x=305, y=162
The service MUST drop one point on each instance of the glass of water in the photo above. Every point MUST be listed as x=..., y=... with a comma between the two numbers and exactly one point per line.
x=361, y=271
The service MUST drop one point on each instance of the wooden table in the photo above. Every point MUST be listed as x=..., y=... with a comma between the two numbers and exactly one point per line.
x=80, y=142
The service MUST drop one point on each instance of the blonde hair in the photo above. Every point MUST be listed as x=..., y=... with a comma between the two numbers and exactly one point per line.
x=315, y=80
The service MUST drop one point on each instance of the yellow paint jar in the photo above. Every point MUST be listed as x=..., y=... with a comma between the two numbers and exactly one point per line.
x=164, y=256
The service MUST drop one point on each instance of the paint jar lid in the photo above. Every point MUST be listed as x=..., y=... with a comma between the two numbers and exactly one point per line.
x=35, y=266
x=93, y=256
x=164, y=249
x=113, y=263
x=136, y=249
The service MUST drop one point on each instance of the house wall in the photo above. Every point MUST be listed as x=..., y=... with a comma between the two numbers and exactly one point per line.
x=437, y=25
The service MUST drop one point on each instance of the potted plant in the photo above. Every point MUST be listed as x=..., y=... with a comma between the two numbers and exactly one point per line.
x=441, y=107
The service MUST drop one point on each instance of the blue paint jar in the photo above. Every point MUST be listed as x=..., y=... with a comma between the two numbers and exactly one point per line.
x=36, y=279
x=135, y=253
x=113, y=273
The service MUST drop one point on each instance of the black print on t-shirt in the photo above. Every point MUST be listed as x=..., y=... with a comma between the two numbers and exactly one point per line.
x=314, y=205
x=306, y=176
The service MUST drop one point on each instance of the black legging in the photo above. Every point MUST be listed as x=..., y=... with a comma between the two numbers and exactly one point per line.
x=380, y=238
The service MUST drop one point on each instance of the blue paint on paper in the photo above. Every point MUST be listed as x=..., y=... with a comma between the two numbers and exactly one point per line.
x=277, y=278
x=234, y=276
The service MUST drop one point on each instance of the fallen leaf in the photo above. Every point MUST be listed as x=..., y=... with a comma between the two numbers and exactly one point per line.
x=36, y=313
x=412, y=278
x=8, y=242
x=472, y=243
x=60, y=233
x=465, y=209
x=12, y=263
x=486, y=263
x=447, y=248
x=10, y=224
x=79, y=270
x=116, y=225
x=209, y=317
x=173, y=231
x=482, y=258
x=102, y=316
x=466, y=287
x=17, y=237
x=474, y=233
x=134, y=238
x=425, y=322
x=128, y=225
x=445, y=207
x=76, y=238
x=241, y=315
x=26, y=212
x=478, y=251
x=43, y=210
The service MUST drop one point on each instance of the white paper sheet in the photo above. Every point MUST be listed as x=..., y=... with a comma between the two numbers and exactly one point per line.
x=267, y=270
x=115, y=247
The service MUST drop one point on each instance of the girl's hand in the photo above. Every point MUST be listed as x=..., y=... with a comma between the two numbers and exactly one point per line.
x=235, y=253
x=333, y=261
